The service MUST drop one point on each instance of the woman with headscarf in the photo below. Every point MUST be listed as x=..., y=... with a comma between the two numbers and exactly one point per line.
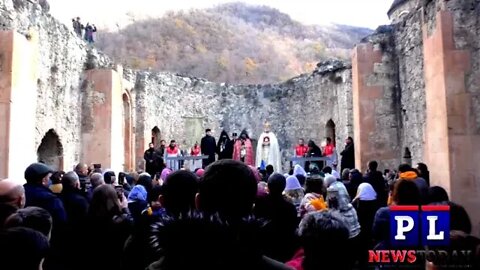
x=337, y=202
x=224, y=147
x=298, y=170
x=301, y=174
x=366, y=204
x=164, y=174
x=294, y=192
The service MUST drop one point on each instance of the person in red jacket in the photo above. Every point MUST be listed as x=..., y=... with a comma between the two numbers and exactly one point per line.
x=300, y=151
x=173, y=151
x=195, y=151
x=330, y=153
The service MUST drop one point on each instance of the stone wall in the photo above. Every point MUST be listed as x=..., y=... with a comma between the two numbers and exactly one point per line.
x=62, y=59
x=401, y=9
x=375, y=101
x=408, y=46
x=300, y=107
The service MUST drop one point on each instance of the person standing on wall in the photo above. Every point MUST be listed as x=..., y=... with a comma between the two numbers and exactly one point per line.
x=208, y=147
x=89, y=30
x=77, y=26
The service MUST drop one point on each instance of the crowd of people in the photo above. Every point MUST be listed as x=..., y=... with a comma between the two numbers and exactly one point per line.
x=87, y=30
x=160, y=155
x=228, y=216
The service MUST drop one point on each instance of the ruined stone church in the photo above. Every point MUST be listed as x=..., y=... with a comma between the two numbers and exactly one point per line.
x=413, y=85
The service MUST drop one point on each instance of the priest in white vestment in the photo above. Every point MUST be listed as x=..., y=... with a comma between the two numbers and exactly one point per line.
x=268, y=150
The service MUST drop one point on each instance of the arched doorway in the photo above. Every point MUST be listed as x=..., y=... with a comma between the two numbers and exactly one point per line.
x=156, y=136
x=127, y=132
x=330, y=131
x=50, y=150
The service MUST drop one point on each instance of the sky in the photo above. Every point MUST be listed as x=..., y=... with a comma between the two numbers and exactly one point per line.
x=108, y=13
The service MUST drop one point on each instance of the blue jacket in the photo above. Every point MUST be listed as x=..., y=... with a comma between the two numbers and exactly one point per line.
x=38, y=195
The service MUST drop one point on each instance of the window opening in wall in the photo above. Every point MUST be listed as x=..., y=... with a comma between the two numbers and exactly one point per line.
x=50, y=150
x=330, y=131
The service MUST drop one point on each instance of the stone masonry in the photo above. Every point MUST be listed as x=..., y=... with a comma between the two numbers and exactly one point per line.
x=413, y=84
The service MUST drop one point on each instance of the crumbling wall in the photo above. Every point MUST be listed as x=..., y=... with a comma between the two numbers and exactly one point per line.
x=408, y=42
x=300, y=107
x=63, y=57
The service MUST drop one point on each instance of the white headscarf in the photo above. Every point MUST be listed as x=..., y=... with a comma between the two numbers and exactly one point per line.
x=365, y=192
x=298, y=170
x=329, y=179
x=292, y=183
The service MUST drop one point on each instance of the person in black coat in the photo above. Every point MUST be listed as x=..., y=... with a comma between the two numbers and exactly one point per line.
x=76, y=207
x=375, y=178
x=38, y=194
x=208, y=147
x=348, y=155
x=149, y=157
x=282, y=216
x=231, y=143
x=224, y=147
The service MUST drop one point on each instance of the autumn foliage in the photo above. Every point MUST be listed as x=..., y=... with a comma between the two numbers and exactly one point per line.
x=233, y=43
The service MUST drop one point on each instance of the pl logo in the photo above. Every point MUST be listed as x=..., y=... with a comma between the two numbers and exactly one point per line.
x=411, y=227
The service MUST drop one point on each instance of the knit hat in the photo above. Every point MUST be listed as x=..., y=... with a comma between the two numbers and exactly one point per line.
x=36, y=172
x=292, y=183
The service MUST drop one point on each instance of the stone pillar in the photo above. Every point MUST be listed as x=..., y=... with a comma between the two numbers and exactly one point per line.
x=374, y=119
x=18, y=100
x=102, y=134
x=452, y=150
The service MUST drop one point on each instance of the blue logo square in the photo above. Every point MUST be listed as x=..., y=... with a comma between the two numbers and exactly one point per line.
x=435, y=225
x=404, y=231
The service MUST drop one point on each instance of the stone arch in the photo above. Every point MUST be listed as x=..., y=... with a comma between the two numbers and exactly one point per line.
x=330, y=130
x=156, y=136
x=50, y=150
x=127, y=132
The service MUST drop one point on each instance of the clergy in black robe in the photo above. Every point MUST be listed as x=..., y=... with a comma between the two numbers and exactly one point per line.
x=208, y=147
x=149, y=157
x=348, y=155
x=224, y=147
x=313, y=151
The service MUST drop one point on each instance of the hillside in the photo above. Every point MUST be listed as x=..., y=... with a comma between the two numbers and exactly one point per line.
x=234, y=43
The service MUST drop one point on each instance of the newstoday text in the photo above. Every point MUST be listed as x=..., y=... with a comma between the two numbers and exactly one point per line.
x=461, y=259
x=420, y=236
